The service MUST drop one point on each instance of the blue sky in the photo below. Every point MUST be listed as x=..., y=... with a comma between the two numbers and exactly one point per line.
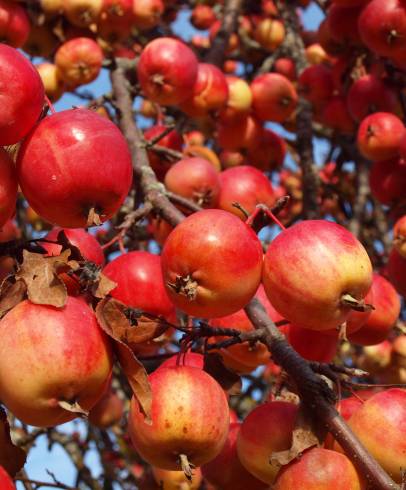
x=56, y=461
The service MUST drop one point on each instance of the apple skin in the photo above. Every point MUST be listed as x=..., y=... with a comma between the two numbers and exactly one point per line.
x=71, y=162
x=137, y=274
x=380, y=425
x=65, y=355
x=210, y=92
x=319, y=469
x=246, y=185
x=267, y=429
x=387, y=180
x=14, y=24
x=396, y=269
x=226, y=472
x=176, y=480
x=22, y=95
x=189, y=414
x=87, y=244
x=8, y=187
x=107, y=411
x=219, y=253
x=307, y=269
x=381, y=320
x=6, y=483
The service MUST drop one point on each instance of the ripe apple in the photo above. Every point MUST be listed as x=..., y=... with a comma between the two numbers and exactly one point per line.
x=66, y=355
x=380, y=426
x=22, y=95
x=190, y=419
x=167, y=71
x=83, y=177
x=325, y=256
x=226, y=472
x=79, y=61
x=267, y=429
x=319, y=469
x=212, y=263
x=8, y=188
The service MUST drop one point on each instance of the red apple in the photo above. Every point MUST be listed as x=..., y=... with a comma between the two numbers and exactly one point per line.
x=14, y=23
x=79, y=61
x=246, y=185
x=22, y=95
x=8, y=188
x=5, y=480
x=267, y=429
x=381, y=320
x=226, y=472
x=274, y=97
x=319, y=469
x=196, y=179
x=310, y=268
x=387, y=180
x=86, y=170
x=107, y=411
x=210, y=92
x=212, y=264
x=190, y=419
x=136, y=274
x=66, y=355
x=380, y=425
x=396, y=269
x=167, y=71
x=379, y=136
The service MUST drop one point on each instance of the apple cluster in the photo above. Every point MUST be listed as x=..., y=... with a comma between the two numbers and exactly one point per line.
x=90, y=321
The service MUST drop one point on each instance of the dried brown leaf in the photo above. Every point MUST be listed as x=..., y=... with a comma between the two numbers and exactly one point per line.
x=103, y=286
x=137, y=377
x=115, y=324
x=112, y=314
x=12, y=457
x=40, y=275
x=10, y=295
x=228, y=380
x=303, y=438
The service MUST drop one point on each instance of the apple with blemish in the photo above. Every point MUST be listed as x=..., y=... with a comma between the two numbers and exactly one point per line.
x=189, y=419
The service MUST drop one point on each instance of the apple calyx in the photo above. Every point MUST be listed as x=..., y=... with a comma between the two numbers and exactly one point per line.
x=187, y=466
x=355, y=304
x=185, y=286
x=73, y=407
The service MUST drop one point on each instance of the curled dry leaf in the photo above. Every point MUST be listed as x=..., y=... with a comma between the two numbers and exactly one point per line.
x=227, y=379
x=40, y=275
x=303, y=437
x=142, y=329
x=12, y=458
x=11, y=293
x=102, y=286
x=111, y=318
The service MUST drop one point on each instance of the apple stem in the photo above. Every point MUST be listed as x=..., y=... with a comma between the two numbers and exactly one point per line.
x=187, y=467
x=260, y=211
x=51, y=107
